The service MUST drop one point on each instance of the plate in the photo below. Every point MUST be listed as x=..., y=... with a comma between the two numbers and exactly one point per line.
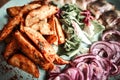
x=7, y=72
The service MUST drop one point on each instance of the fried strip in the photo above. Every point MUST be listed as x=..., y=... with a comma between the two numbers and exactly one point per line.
x=13, y=11
x=30, y=51
x=52, y=39
x=40, y=14
x=43, y=27
x=22, y=62
x=58, y=60
x=8, y=28
x=9, y=38
x=10, y=49
x=61, y=37
x=45, y=48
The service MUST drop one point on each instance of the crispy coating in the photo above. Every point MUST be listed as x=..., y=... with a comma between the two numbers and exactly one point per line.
x=45, y=48
x=22, y=62
x=10, y=49
x=30, y=51
x=13, y=11
x=43, y=27
x=14, y=22
x=58, y=60
x=61, y=36
x=53, y=38
x=41, y=13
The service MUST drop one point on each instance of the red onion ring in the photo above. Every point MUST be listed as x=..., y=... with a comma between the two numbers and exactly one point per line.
x=103, y=49
x=75, y=73
x=62, y=76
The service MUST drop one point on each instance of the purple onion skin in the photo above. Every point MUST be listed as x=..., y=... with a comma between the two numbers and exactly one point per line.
x=92, y=66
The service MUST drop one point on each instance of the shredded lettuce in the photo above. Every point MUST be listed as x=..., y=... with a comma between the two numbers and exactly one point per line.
x=78, y=35
x=68, y=13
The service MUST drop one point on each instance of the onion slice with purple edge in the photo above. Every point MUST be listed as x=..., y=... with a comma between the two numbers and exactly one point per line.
x=93, y=65
x=103, y=49
x=63, y=76
x=75, y=73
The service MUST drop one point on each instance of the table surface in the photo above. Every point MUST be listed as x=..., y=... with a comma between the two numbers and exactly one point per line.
x=2, y=2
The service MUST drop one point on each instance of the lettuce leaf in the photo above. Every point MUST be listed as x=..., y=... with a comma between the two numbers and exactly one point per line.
x=78, y=36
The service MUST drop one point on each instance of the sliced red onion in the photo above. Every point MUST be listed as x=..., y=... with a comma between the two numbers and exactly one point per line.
x=114, y=69
x=54, y=72
x=75, y=73
x=63, y=76
x=84, y=67
x=83, y=58
x=116, y=57
x=89, y=67
x=103, y=49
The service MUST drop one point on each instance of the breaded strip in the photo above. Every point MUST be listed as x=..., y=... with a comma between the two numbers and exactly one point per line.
x=41, y=13
x=45, y=48
x=10, y=49
x=22, y=62
x=61, y=36
x=58, y=60
x=13, y=11
x=9, y=38
x=43, y=27
x=8, y=28
x=30, y=51
x=52, y=39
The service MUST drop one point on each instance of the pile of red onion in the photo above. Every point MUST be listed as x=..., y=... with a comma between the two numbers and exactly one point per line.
x=102, y=61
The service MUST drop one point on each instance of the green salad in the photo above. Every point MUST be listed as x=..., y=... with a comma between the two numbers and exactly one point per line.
x=79, y=34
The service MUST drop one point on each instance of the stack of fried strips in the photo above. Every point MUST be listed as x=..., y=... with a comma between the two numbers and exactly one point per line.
x=29, y=35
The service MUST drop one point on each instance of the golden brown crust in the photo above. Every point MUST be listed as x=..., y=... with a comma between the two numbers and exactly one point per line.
x=30, y=51
x=53, y=38
x=22, y=62
x=45, y=48
x=8, y=28
x=41, y=13
x=13, y=11
x=58, y=60
x=10, y=49
x=61, y=36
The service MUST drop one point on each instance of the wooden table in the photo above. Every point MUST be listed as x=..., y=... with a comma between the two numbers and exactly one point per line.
x=2, y=2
